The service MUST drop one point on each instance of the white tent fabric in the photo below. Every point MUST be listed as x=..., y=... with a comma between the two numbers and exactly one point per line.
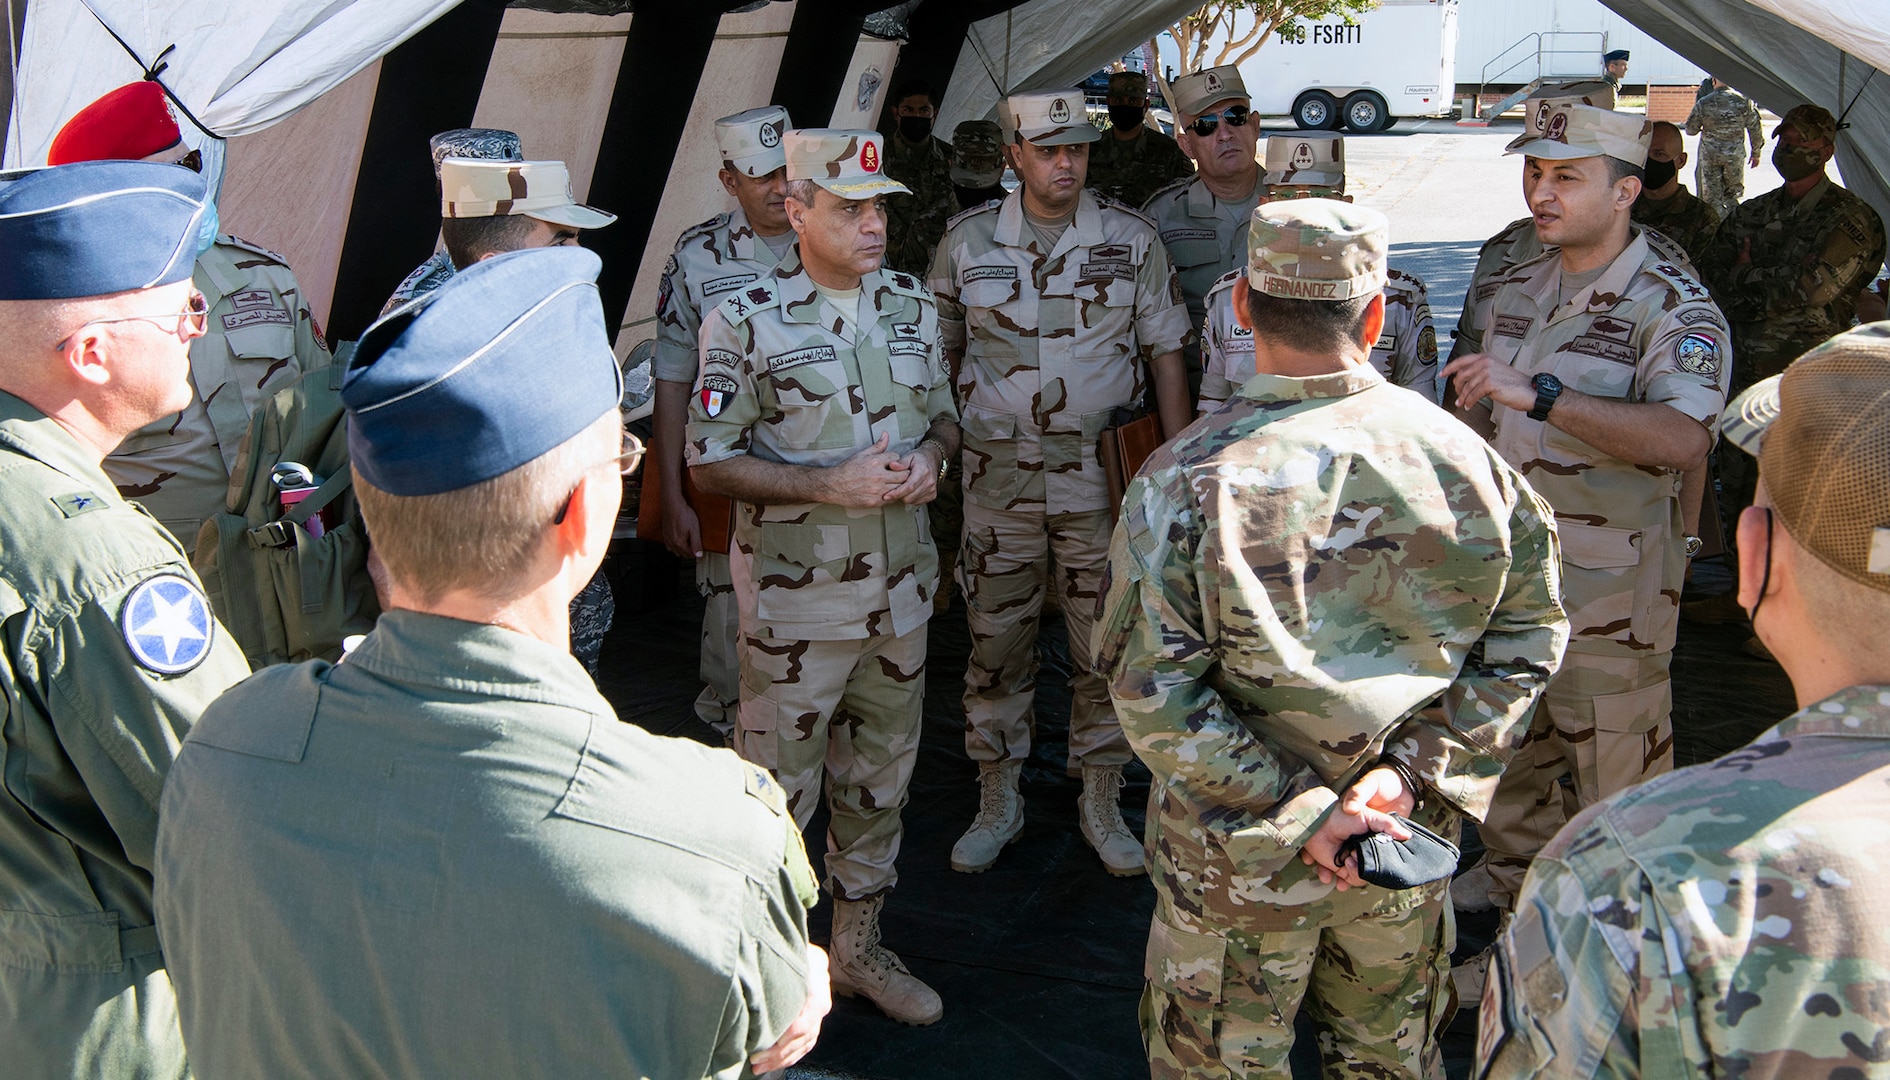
x=1046, y=44
x=239, y=67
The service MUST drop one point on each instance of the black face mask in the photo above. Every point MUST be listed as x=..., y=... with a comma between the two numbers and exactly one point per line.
x=1795, y=162
x=1658, y=174
x=1126, y=117
x=915, y=128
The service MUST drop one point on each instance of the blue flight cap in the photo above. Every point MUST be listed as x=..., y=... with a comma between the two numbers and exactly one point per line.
x=506, y=361
x=97, y=227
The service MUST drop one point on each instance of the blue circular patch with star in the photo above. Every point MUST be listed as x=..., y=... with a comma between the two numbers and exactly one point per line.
x=167, y=624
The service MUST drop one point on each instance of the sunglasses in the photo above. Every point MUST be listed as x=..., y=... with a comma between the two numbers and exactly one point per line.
x=1235, y=115
x=195, y=315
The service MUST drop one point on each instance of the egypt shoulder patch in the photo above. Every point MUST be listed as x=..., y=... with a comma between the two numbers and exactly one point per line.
x=167, y=624
x=717, y=391
x=1698, y=354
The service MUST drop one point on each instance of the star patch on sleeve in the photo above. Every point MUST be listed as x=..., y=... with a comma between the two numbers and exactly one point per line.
x=167, y=624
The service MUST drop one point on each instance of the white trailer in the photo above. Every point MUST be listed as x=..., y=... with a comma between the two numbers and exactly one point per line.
x=1397, y=60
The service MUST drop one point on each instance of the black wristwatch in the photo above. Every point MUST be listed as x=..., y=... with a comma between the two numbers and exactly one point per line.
x=1548, y=388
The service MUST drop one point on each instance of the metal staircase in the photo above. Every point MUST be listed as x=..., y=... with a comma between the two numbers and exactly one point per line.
x=1556, y=55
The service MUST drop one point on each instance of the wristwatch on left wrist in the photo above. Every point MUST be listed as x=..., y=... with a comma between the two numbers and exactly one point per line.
x=1548, y=388
x=1694, y=544
x=944, y=459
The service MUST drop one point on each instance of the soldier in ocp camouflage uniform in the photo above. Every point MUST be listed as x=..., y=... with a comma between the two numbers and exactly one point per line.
x=1726, y=919
x=724, y=254
x=1598, y=385
x=977, y=163
x=823, y=406
x=1133, y=160
x=1312, y=165
x=921, y=162
x=1327, y=602
x=259, y=337
x=1725, y=120
x=1064, y=309
x=1665, y=205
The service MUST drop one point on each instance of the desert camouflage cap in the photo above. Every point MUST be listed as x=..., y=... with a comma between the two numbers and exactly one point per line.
x=848, y=163
x=536, y=189
x=480, y=144
x=1538, y=106
x=1821, y=432
x=1306, y=159
x=1200, y=92
x=751, y=140
x=1128, y=85
x=1814, y=122
x=1316, y=249
x=976, y=159
x=1051, y=118
x=1579, y=131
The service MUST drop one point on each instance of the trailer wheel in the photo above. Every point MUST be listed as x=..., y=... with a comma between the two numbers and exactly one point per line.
x=1317, y=110
x=1365, y=113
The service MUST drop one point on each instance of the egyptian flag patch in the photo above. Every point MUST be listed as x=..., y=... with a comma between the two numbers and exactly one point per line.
x=717, y=391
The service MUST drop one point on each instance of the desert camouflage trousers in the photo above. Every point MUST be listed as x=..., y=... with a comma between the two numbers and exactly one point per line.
x=1604, y=724
x=1376, y=988
x=1721, y=176
x=718, y=669
x=1003, y=565
x=846, y=712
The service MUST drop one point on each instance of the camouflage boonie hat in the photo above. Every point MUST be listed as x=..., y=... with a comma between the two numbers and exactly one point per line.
x=1814, y=122
x=1306, y=159
x=1051, y=118
x=536, y=189
x=1316, y=249
x=976, y=159
x=1198, y=93
x=1538, y=106
x=1821, y=432
x=481, y=144
x=1129, y=85
x=751, y=141
x=1579, y=131
x=847, y=163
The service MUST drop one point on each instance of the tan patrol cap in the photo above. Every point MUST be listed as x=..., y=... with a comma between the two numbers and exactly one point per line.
x=1537, y=106
x=1051, y=118
x=1306, y=159
x=1579, y=131
x=537, y=189
x=751, y=141
x=1316, y=249
x=1821, y=432
x=1198, y=93
x=845, y=162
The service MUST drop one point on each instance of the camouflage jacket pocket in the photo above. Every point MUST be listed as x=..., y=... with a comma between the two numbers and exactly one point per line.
x=811, y=408
x=801, y=570
x=991, y=455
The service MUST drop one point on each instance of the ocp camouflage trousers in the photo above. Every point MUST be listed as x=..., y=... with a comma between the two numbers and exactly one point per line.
x=849, y=712
x=1721, y=179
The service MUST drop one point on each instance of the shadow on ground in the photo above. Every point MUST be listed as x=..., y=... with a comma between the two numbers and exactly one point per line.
x=1039, y=960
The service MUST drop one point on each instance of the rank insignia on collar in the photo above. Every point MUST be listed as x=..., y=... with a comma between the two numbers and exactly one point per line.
x=167, y=624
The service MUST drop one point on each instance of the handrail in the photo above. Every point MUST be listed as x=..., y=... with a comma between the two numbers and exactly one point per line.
x=1483, y=75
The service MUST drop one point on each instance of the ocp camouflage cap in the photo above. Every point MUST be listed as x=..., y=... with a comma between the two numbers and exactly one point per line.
x=751, y=140
x=1200, y=92
x=478, y=144
x=1579, y=131
x=1306, y=159
x=1538, y=106
x=1128, y=84
x=977, y=160
x=845, y=162
x=1814, y=122
x=536, y=189
x=1316, y=249
x=1821, y=432
x=1051, y=118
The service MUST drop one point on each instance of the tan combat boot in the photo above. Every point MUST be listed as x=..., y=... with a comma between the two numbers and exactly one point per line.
x=1100, y=813
x=1000, y=817
x=864, y=967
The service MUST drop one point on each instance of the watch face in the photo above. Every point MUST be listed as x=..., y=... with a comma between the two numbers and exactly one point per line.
x=1548, y=383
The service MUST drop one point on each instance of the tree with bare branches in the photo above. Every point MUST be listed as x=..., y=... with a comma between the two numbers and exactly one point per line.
x=1234, y=30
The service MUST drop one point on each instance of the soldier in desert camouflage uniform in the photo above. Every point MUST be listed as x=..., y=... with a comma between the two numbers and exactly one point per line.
x=1726, y=919
x=1665, y=205
x=724, y=254
x=922, y=162
x=1133, y=160
x=480, y=144
x=1725, y=120
x=824, y=407
x=1281, y=659
x=1312, y=165
x=260, y=335
x=1062, y=307
x=1604, y=365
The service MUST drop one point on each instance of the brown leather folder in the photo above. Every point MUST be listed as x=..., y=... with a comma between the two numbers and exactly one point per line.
x=1122, y=448
x=715, y=514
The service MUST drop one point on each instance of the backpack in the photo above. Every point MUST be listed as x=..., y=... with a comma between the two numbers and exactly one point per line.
x=284, y=594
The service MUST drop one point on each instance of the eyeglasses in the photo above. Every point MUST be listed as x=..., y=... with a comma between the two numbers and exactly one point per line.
x=196, y=315
x=626, y=463
x=1235, y=115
